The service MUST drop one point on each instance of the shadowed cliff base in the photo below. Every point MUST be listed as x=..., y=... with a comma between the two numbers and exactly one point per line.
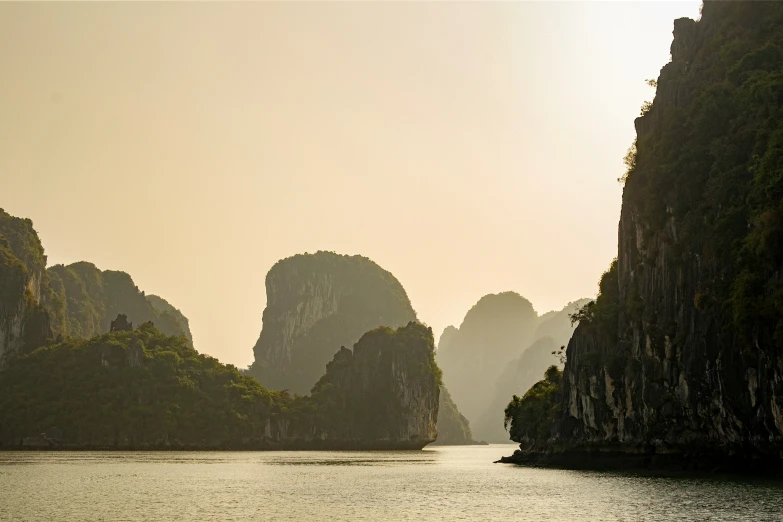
x=615, y=457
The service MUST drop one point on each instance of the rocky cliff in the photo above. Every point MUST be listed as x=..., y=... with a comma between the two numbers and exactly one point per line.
x=315, y=304
x=23, y=281
x=382, y=394
x=157, y=392
x=170, y=319
x=77, y=300
x=91, y=298
x=680, y=359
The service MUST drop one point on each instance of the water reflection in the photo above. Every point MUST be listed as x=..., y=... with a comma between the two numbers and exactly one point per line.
x=456, y=483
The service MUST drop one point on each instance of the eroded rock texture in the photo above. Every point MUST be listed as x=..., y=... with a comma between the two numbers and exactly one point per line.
x=683, y=359
x=315, y=304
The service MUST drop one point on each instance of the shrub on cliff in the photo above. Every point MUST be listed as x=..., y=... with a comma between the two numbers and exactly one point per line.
x=600, y=316
x=530, y=418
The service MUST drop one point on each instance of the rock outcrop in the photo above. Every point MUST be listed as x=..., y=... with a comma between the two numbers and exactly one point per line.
x=315, y=304
x=91, y=298
x=78, y=300
x=383, y=394
x=23, y=321
x=680, y=360
x=169, y=319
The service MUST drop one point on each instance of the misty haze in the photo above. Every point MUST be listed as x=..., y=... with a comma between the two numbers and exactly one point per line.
x=391, y=260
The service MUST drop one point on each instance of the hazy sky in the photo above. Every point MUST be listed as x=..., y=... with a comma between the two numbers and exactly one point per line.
x=468, y=148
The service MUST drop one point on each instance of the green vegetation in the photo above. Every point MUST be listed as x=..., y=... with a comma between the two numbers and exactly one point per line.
x=530, y=418
x=131, y=388
x=23, y=241
x=91, y=298
x=14, y=279
x=713, y=165
x=23, y=322
x=360, y=394
x=140, y=388
x=601, y=315
x=169, y=319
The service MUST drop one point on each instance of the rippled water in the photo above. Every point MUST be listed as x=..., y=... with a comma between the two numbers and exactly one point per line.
x=451, y=483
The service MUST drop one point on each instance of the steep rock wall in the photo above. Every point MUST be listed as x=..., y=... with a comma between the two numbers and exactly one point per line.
x=23, y=322
x=91, y=298
x=683, y=361
x=315, y=304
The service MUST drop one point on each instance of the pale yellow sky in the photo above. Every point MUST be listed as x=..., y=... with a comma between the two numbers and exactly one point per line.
x=468, y=148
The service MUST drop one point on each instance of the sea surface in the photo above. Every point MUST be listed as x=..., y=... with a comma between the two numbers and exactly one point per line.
x=437, y=483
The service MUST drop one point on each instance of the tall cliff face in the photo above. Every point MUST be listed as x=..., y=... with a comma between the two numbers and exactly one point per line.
x=23, y=281
x=384, y=392
x=315, y=304
x=682, y=353
x=92, y=298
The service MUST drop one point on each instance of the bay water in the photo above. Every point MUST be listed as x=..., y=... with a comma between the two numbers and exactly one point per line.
x=437, y=483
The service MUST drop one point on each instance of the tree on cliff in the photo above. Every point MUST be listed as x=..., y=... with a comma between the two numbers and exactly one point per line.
x=684, y=346
x=140, y=388
x=531, y=417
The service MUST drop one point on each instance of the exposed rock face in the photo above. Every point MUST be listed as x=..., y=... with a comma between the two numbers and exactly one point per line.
x=121, y=324
x=494, y=332
x=78, y=300
x=315, y=304
x=91, y=298
x=383, y=394
x=683, y=362
x=23, y=322
x=168, y=318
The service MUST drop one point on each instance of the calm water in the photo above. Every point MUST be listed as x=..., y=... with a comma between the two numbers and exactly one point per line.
x=454, y=483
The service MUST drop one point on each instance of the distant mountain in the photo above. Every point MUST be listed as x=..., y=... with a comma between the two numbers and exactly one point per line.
x=77, y=300
x=501, y=349
x=89, y=299
x=453, y=427
x=317, y=303
x=495, y=330
x=24, y=286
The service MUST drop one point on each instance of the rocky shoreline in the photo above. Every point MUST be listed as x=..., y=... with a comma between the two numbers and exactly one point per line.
x=615, y=458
